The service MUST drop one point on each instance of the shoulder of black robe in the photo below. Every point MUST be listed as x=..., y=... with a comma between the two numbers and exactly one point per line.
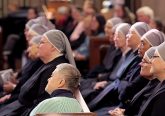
x=154, y=106
x=28, y=70
x=111, y=57
x=34, y=89
x=131, y=89
x=20, y=73
x=138, y=99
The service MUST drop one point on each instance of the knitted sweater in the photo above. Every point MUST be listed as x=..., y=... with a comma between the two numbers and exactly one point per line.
x=57, y=105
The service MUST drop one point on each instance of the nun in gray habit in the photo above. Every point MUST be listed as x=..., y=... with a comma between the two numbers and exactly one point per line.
x=33, y=91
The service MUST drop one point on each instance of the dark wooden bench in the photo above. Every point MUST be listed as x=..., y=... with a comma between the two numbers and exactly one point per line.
x=94, y=48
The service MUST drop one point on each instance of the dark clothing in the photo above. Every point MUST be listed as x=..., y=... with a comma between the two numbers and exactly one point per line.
x=140, y=98
x=33, y=91
x=131, y=89
x=88, y=84
x=154, y=106
x=126, y=72
x=112, y=56
x=70, y=28
x=27, y=71
x=62, y=93
x=77, y=43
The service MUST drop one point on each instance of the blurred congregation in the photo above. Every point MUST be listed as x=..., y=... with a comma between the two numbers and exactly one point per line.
x=82, y=58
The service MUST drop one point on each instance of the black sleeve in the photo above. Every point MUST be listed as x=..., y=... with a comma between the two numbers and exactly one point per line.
x=133, y=85
x=158, y=106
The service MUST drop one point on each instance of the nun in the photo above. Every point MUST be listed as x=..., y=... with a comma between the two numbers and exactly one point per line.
x=150, y=39
x=154, y=106
x=27, y=71
x=54, y=49
x=128, y=71
x=35, y=30
x=141, y=97
x=112, y=53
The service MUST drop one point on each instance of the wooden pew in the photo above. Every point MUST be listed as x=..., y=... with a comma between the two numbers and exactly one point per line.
x=94, y=48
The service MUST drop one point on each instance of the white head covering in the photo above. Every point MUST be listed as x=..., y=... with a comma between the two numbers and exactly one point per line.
x=123, y=28
x=44, y=21
x=140, y=28
x=114, y=21
x=150, y=52
x=59, y=40
x=30, y=23
x=154, y=37
x=38, y=29
x=36, y=39
x=160, y=49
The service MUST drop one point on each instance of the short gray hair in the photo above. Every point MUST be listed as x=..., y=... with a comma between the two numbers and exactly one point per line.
x=71, y=75
x=147, y=11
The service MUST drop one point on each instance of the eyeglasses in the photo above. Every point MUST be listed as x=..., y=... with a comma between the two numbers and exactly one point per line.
x=155, y=56
x=43, y=42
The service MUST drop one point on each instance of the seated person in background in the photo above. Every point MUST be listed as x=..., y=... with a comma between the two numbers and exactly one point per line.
x=95, y=27
x=112, y=52
x=91, y=86
x=27, y=71
x=61, y=86
x=144, y=14
x=157, y=24
x=52, y=50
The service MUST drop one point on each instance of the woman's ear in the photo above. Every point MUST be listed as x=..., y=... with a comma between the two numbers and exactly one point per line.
x=61, y=83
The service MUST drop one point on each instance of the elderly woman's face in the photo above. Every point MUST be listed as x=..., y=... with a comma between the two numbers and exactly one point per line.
x=54, y=82
x=45, y=48
x=32, y=50
x=157, y=65
x=108, y=31
x=29, y=36
x=143, y=47
x=119, y=40
x=141, y=17
x=132, y=39
x=145, y=68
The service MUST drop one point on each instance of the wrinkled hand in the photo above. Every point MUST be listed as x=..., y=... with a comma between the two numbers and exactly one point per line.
x=117, y=112
x=100, y=85
x=8, y=87
x=4, y=98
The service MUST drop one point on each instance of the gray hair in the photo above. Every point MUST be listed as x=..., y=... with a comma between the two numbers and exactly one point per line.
x=71, y=75
x=147, y=11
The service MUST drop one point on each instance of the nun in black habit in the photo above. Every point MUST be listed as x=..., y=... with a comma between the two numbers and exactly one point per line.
x=54, y=49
